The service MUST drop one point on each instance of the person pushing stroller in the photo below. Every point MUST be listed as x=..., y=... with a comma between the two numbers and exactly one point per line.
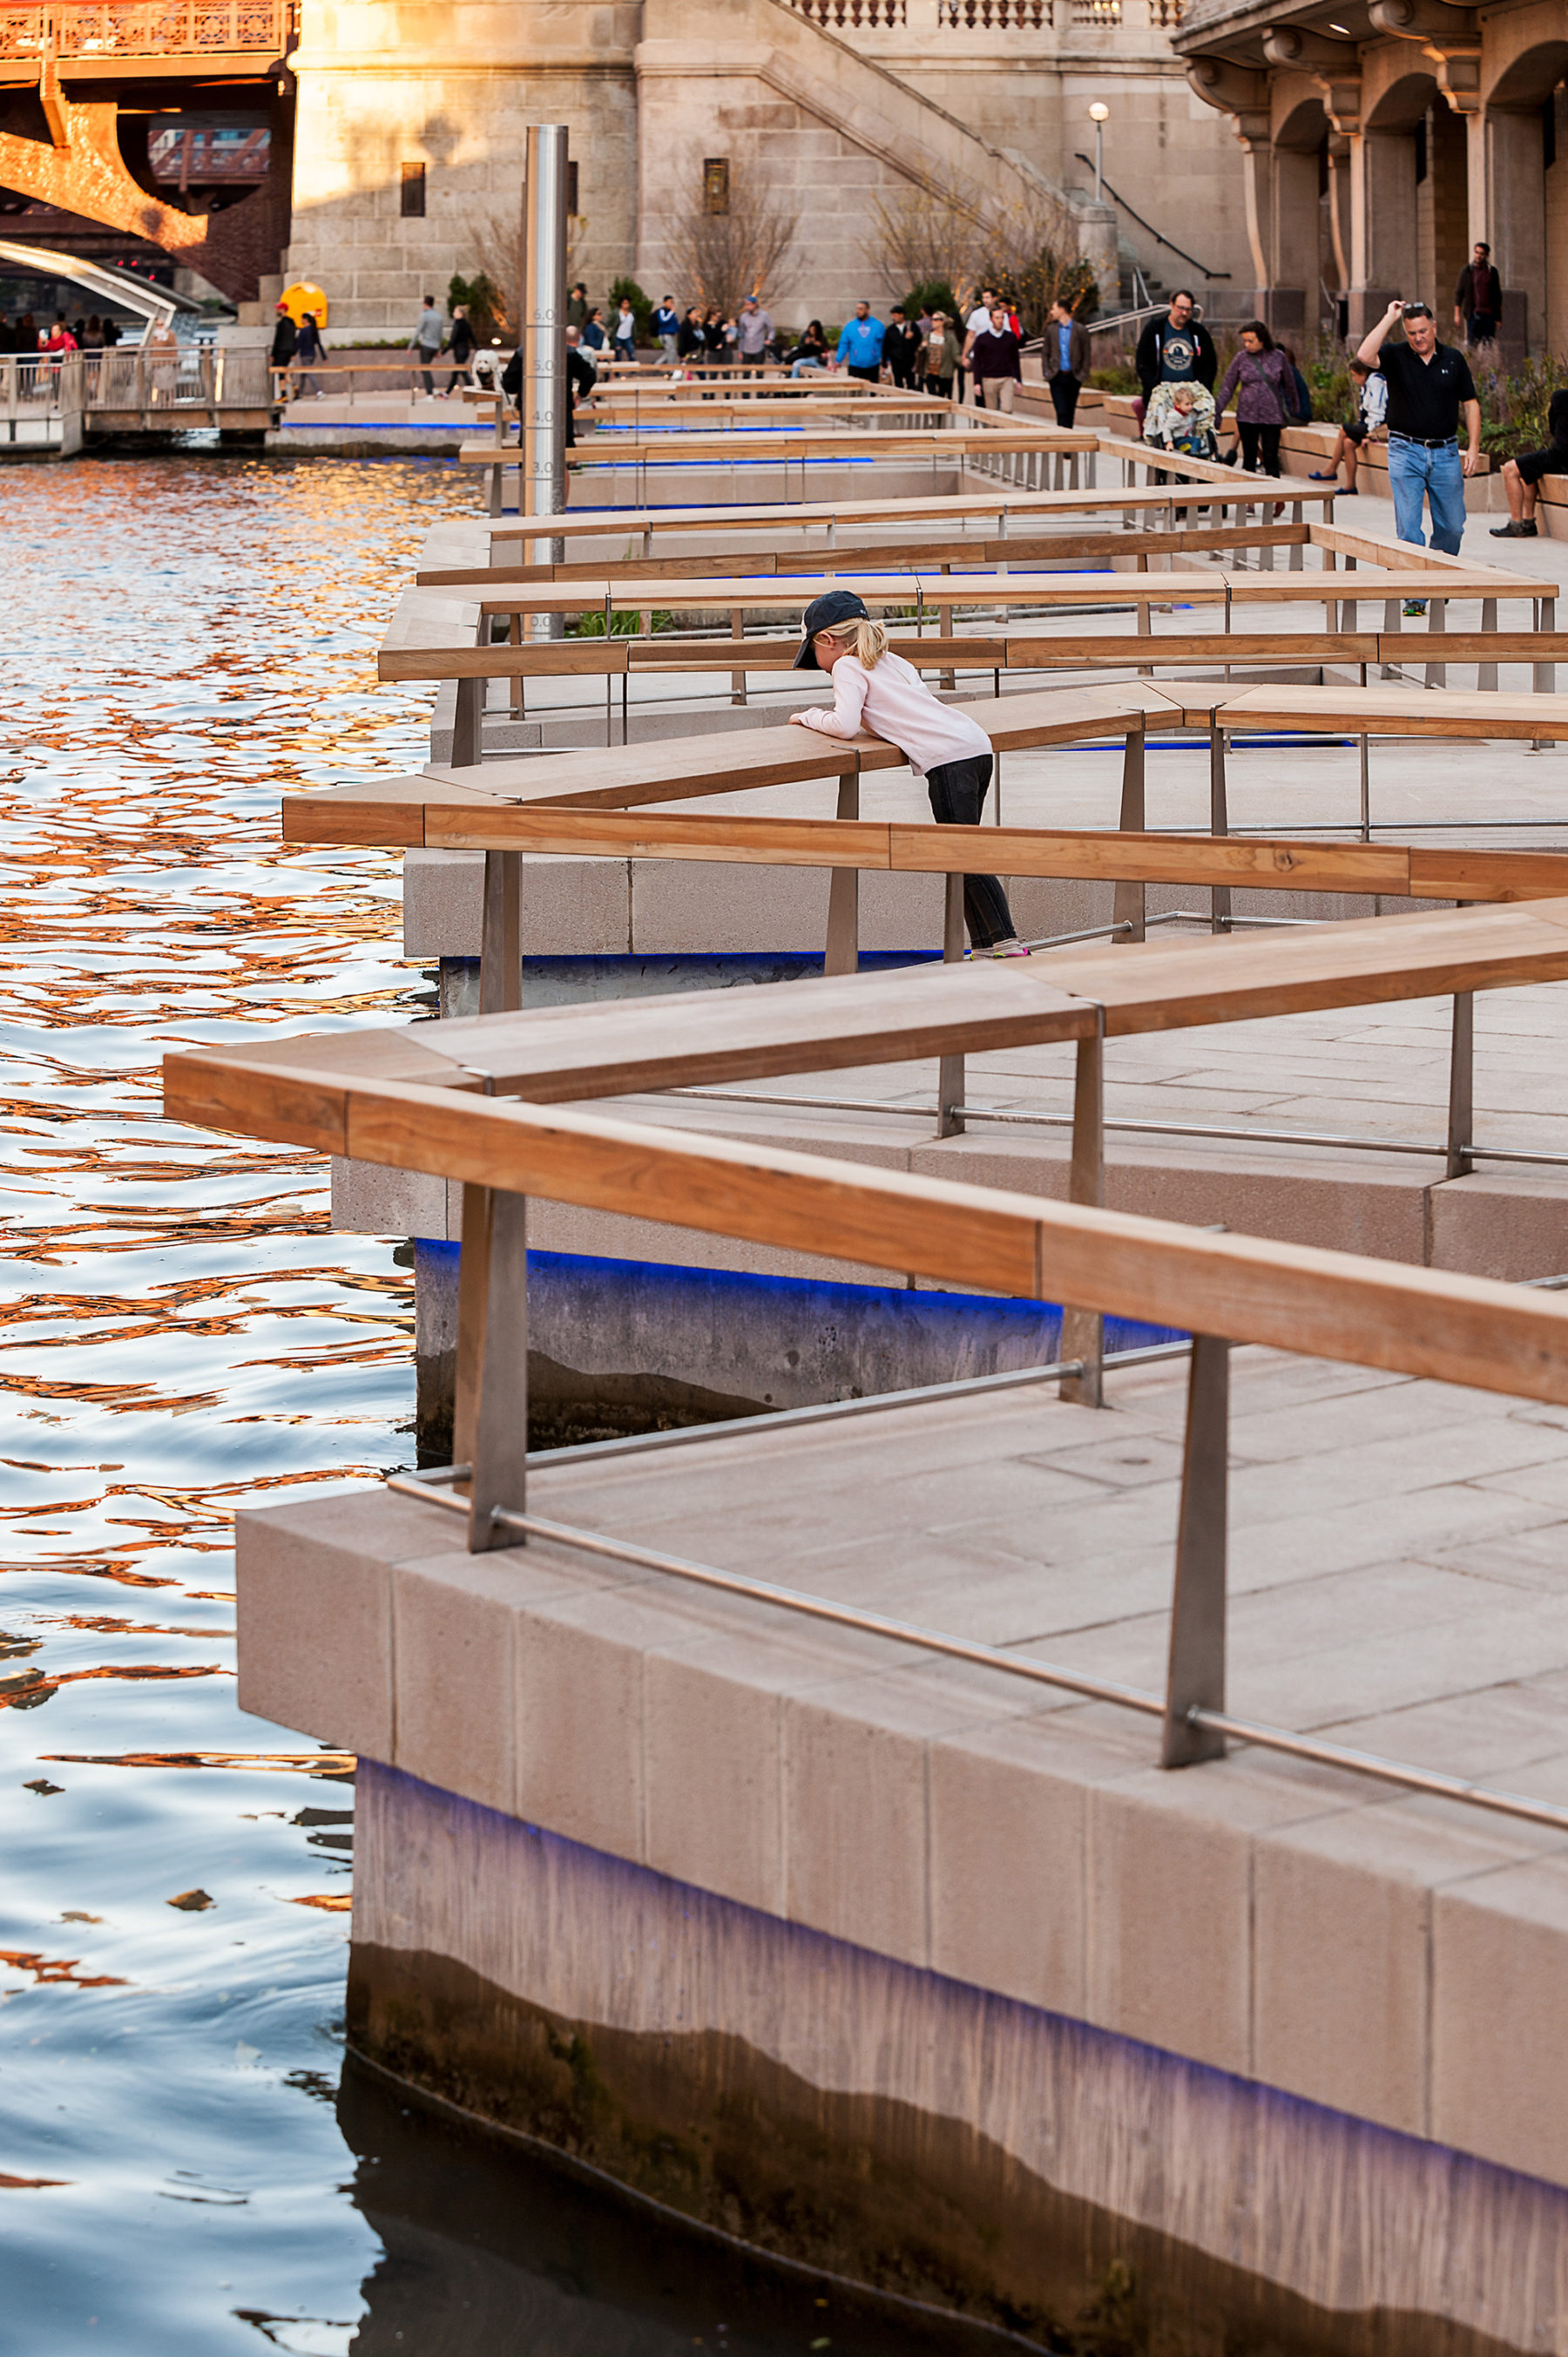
x=877, y=690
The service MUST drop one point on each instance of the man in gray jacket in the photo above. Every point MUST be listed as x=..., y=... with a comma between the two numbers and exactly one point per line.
x=753, y=333
x=427, y=339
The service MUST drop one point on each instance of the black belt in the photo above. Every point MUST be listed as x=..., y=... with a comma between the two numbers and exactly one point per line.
x=1423, y=441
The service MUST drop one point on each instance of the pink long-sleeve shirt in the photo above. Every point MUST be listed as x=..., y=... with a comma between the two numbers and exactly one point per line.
x=893, y=703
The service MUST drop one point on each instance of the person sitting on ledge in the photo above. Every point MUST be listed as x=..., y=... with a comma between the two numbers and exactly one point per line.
x=1372, y=403
x=1521, y=476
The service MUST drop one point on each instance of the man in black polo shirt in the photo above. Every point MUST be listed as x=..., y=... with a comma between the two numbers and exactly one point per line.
x=1429, y=383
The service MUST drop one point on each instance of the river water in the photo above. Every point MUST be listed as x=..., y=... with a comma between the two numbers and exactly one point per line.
x=184, y=2166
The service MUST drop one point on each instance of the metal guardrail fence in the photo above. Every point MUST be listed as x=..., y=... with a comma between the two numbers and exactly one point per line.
x=93, y=29
x=193, y=377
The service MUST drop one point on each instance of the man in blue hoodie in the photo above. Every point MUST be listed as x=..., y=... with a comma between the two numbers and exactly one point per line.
x=859, y=346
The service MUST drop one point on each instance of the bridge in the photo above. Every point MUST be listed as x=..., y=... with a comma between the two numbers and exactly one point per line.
x=86, y=82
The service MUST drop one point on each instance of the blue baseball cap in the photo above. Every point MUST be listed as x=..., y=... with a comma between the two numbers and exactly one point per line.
x=834, y=606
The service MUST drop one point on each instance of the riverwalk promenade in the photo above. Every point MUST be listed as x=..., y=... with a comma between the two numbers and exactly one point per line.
x=1016, y=1753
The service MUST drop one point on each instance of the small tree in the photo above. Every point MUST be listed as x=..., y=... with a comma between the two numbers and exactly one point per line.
x=642, y=309
x=485, y=302
x=722, y=257
x=926, y=237
x=1033, y=258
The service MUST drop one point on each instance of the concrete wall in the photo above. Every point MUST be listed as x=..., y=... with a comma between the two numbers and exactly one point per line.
x=822, y=118
x=381, y=83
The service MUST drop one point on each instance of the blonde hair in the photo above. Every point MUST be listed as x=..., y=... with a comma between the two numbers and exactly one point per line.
x=870, y=638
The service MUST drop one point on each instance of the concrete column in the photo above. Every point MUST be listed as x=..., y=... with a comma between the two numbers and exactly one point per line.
x=1339, y=207
x=1515, y=210
x=1294, y=271
x=1382, y=223
x=1553, y=334
x=1097, y=245
x=1258, y=192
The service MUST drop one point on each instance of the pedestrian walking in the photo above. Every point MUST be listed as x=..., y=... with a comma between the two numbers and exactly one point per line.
x=940, y=356
x=1429, y=385
x=1066, y=356
x=285, y=336
x=859, y=346
x=977, y=324
x=901, y=348
x=163, y=350
x=690, y=340
x=1478, y=297
x=992, y=356
x=1522, y=476
x=460, y=344
x=577, y=307
x=1371, y=408
x=624, y=340
x=1175, y=347
x=309, y=351
x=1265, y=385
x=591, y=334
x=427, y=339
x=666, y=328
x=877, y=690
x=59, y=340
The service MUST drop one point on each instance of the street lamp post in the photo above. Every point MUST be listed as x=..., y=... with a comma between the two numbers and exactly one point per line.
x=1099, y=114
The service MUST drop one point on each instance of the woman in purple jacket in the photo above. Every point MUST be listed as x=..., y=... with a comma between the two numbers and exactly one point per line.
x=1260, y=378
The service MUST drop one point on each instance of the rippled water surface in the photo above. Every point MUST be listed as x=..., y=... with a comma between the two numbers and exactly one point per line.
x=181, y=2168
x=181, y=1333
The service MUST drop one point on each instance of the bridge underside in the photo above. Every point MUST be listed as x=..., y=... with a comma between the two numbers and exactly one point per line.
x=80, y=143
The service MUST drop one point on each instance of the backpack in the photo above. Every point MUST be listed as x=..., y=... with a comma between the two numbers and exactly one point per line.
x=1302, y=399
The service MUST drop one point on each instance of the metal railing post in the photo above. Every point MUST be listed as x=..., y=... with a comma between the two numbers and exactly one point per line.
x=1219, y=825
x=1196, y=1679
x=1461, y=1085
x=500, y=947
x=1083, y=1331
x=843, y=951
x=1487, y=673
x=1128, y=908
x=491, y=1419
x=949, y=1070
x=468, y=724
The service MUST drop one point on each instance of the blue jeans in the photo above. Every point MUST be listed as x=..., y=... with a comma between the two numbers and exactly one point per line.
x=1415, y=474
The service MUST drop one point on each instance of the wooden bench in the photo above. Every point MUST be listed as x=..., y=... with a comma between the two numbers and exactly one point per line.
x=434, y=636
x=1401, y=1321
x=445, y=1099
x=1329, y=965
x=846, y=515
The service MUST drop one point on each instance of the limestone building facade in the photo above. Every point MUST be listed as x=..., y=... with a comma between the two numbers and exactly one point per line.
x=1383, y=139
x=411, y=118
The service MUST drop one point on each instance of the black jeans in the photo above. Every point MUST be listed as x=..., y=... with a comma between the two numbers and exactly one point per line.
x=1065, y=390
x=958, y=792
x=1251, y=436
x=941, y=386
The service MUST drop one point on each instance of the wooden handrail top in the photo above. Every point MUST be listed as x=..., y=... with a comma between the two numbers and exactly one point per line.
x=690, y=1038
x=1044, y=588
x=913, y=846
x=1025, y=649
x=1023, y=548
x=1009, y=501
x=671, y=768
x=738, y=444
x=1405, y=1320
